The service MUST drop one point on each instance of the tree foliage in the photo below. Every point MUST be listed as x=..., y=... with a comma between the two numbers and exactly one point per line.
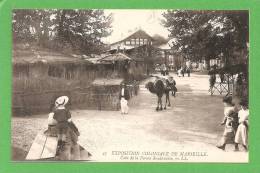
x=208, y=34
x=80, y=31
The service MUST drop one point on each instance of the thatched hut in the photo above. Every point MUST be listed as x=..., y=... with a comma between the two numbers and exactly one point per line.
x=130, y=68
x=39, y=78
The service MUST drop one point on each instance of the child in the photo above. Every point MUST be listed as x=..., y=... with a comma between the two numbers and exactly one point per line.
x=63, y=117
x=242, y=130
x=230, y=122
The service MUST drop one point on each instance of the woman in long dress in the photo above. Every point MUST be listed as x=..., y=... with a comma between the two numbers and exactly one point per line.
x=230, y=121
x=242, y=130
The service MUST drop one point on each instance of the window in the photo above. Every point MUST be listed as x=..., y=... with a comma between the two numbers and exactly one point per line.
x=141, y=41
x=137, y=41
x=127, y=42
x=132, y=41
x=145, y=41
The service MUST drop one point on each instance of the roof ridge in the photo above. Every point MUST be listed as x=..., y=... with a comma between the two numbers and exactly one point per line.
x=139, y=30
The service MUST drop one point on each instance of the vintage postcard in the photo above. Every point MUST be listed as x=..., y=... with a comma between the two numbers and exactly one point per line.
x=135, y=85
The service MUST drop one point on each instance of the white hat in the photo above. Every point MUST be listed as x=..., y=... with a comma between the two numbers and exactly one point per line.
x=61, y=101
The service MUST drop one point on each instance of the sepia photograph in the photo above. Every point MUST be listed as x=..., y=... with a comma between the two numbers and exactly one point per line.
x=130, y=85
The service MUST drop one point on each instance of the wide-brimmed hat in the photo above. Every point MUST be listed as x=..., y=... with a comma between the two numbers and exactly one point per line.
x=61, y=101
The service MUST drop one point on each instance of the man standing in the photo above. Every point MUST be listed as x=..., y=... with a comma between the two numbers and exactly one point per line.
x=183, y=71
x=124, y=97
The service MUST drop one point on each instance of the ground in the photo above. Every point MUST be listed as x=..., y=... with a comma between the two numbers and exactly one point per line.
x=191, y=124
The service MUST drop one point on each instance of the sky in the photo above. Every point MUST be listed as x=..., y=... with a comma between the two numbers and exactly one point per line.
x=125, y=22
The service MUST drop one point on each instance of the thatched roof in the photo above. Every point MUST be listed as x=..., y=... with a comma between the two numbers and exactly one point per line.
x=107, y=82
x=96, y=59
x=29, y=57
x=115, y=57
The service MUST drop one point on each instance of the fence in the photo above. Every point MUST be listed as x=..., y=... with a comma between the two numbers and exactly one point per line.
x=96, y=98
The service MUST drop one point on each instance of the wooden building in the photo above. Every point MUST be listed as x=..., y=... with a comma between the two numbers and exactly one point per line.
x=142, y=48
x=139, y=38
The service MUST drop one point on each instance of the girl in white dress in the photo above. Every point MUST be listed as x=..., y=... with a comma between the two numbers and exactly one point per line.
x=242, y=130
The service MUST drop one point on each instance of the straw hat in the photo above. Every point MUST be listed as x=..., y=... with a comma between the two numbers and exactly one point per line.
x=61, y=101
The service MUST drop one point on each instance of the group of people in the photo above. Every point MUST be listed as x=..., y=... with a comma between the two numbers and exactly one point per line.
x=164, y=70
x=235, y=124
x=182, y=71
x=235, y=119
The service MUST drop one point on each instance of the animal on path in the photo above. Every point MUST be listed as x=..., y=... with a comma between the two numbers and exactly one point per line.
x=159, y=87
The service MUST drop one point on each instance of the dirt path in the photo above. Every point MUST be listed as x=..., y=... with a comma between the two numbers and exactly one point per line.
x=191, y=124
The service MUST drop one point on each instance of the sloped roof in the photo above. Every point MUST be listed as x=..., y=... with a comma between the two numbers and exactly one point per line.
x=96, y=59
x=137, y=34
x=30, y=57
x=115, y=57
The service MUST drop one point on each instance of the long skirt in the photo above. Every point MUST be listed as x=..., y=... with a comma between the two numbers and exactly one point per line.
x=242, y=135
x=124, y=106
x=70, y=151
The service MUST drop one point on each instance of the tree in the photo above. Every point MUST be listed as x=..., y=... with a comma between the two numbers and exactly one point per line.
x=33, y=25
x=83, y=29
x=207, y=34
x=80, y=30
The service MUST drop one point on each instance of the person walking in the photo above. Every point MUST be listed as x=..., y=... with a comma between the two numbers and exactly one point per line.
x=230, y=121
x=242, y=130
x=183, y=71
x=164, y=69
x=124, y=97
x=172, y=84
x=188, y=71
